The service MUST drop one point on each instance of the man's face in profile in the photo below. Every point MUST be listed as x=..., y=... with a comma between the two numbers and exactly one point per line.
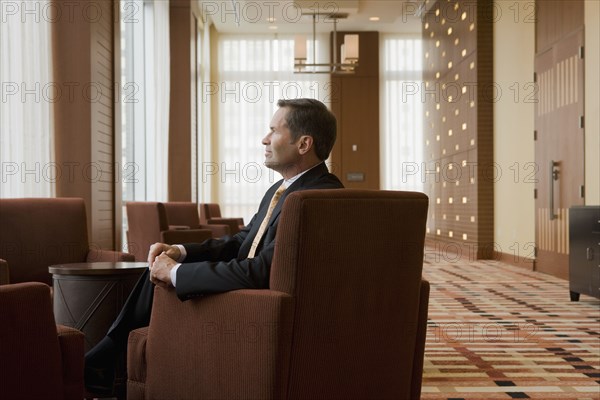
x=280, y=150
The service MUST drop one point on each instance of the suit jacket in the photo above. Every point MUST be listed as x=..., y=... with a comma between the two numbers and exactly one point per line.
x=216, y=266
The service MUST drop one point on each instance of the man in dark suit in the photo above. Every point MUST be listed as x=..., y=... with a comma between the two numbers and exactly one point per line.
x=301, y=136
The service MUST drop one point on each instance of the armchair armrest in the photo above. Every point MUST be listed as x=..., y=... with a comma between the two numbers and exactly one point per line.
x=185, y=236
x=178, y=227
x=246, y=331
x=136, y=363
x=72, y=351
x=217, y=230
x=221, y=220
x=4, y=277
x=234, y=224
x=96, y=255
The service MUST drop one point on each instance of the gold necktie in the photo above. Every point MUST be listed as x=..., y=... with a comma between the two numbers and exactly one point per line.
x=265, y=221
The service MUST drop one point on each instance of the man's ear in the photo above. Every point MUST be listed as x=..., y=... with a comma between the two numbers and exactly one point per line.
x=305, y=143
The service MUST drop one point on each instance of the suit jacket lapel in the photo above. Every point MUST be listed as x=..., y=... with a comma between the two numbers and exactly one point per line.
x=299, y=184
x=309, y=176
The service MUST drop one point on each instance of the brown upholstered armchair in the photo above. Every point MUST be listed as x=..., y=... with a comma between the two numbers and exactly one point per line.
x=4, y=279
x=184, y=215
x=344, y=317
x=147, y=224
x=210, y=213
x=38, y=232
x=39, y=360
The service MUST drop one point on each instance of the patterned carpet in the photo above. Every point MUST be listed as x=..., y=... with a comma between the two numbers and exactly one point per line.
x=502, y=332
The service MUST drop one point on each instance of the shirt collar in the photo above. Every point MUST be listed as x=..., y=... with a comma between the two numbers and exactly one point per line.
x=287, y=182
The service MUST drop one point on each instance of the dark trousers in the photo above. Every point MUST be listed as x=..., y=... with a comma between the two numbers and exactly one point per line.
x=135, y=312
x=105, y=371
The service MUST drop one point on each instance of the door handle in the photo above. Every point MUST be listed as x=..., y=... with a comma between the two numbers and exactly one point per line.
x=553, y=177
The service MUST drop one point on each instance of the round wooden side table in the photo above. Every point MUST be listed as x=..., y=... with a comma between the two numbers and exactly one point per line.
x=89, y=296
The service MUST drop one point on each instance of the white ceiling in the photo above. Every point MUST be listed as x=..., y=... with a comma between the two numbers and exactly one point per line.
x=286, y=16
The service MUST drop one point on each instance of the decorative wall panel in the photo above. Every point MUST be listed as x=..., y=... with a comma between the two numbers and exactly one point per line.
x=458, y=126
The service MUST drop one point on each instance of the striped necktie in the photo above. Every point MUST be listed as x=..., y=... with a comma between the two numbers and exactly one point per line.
x=265, y=221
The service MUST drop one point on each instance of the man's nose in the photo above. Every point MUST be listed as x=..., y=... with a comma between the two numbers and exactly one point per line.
x=266, y=139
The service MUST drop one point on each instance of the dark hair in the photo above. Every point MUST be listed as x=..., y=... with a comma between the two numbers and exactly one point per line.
x=311, y=117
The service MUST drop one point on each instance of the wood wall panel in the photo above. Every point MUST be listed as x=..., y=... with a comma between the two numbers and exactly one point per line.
x=196, y=131
x=555, y=19
x=458, y=73
x=182, y=39
x=355, y=104
x=184, y=116
x=83, y=55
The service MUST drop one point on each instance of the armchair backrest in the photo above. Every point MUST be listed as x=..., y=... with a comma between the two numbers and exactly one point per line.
x=209, y=210
x=38, y=232
x=145, y=221
x=29, y=346
x=210, y=213
x=3, y=272
x=182, y=213
x=147, y=224
x=352, y=259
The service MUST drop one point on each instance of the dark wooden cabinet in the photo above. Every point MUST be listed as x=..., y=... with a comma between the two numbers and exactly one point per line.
x=584, y=251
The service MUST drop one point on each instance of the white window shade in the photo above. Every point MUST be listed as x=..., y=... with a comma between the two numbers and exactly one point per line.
x=401, y=112
x=26, y=135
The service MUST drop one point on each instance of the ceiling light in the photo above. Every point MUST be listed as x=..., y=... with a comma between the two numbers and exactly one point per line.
x=348, y=50
x=374, y=19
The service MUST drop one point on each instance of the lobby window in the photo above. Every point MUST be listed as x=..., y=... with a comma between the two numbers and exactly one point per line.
x=145, y=99
x=401, y=112
x=253, y=73
x=26, y=95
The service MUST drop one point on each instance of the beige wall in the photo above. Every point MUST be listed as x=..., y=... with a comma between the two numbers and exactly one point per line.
x=514, y=49
x=514, y=42
x=592, y=102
